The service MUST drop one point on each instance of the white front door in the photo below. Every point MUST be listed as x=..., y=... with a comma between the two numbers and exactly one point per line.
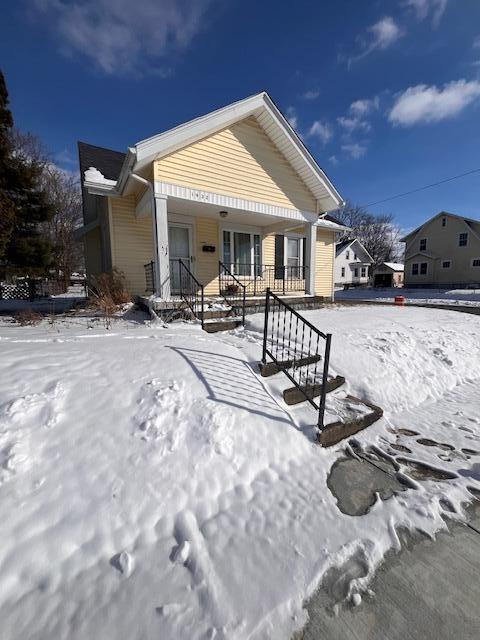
x=180, y=247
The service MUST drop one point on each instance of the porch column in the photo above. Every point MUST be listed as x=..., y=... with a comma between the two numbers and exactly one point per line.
x=311, y=248
x=160, y=247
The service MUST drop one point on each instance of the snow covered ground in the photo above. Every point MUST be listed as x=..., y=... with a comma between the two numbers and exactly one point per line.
x=462, y=297
x=152, y=485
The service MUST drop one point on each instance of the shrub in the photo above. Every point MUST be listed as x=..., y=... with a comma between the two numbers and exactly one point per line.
x=27, y=317
x=111, y=285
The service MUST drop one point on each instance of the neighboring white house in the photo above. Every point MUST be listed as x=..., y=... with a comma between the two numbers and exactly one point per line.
x=352, y=261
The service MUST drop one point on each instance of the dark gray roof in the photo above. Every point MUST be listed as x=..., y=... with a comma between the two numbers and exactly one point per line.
x=107, y=161
x=341, y=245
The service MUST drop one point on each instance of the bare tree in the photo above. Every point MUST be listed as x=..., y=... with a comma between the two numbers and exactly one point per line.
x=64, y=197
x=378, y=233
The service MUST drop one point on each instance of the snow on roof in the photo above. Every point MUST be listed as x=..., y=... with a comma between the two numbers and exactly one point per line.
x=395, y=266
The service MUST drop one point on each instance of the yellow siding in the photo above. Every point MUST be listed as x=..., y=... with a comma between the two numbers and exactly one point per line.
x=207, y=263
x=238, y=161
x=325, y=256
x=269, y=249
x=132, y=240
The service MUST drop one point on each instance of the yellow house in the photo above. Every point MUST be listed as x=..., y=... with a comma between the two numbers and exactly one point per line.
x=234, y=193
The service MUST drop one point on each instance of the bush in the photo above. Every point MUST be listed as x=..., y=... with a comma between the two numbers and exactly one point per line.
x=111, y=286
x=27, y=317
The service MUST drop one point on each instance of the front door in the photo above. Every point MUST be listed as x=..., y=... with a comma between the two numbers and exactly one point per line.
x=180, y=247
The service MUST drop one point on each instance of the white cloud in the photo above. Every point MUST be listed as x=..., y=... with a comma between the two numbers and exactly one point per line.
x=355, y=150
x=312, y=94
x=429, y=104
x=123, y=37
x=363, y=107
x=321, y=130
x=292, y=117
x=356, y=118
x=424, y=8
x=380, y=35
x=333, y=160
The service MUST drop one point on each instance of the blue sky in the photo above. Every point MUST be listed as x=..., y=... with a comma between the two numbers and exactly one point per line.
x=386, y=94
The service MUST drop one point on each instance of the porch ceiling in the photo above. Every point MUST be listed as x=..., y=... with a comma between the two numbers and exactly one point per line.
x=234, y=216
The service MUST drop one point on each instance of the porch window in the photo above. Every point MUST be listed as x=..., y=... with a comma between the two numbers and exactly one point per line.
x=242, y=252
x=293, y=257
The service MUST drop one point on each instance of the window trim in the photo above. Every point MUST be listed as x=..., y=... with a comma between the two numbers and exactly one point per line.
x=301, y=257
x=342, y=272
x=424, y=240
x=362, y=274
x=463, y=233
x=252, y=231
x=449, y=260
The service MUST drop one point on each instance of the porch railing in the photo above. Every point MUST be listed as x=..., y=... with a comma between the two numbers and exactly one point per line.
x=149, y=269
x=232, y=290
x=257, y=278
x=191, y=291
x=298, y=349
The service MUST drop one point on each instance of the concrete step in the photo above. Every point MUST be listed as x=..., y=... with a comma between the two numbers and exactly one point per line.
x=227, y=324
x=271, y=368
x=293, y=395
x=337, y=431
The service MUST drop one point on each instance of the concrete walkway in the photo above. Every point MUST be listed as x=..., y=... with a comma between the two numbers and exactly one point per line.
x=430, y=590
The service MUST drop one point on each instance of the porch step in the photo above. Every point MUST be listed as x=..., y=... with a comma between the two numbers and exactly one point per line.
x=293, y=395
x=271, y=368
x=337, y=431
x=226, y=324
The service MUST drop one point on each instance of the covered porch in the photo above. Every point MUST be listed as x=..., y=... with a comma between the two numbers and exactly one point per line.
x=227, y=246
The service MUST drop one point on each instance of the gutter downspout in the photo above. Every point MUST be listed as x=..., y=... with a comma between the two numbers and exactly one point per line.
x=149, y=186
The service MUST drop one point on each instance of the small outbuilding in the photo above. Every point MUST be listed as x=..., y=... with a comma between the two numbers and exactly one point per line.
x=388, y=274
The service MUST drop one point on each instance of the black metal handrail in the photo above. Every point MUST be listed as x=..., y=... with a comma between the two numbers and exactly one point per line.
x=149, y=276
x=232, y=289
x=298, y=349
x=257, y=278
x=192, y=292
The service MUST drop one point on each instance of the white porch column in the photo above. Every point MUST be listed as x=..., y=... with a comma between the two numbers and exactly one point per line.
x=311, y=248
x=160, y=244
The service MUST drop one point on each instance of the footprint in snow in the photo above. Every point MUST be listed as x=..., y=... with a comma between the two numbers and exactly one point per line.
x=123, y=562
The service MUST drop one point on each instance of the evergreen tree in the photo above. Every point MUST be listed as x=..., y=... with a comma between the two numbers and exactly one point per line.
x=23, y=203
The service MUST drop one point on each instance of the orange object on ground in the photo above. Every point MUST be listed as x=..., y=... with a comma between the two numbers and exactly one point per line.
x=400, y=300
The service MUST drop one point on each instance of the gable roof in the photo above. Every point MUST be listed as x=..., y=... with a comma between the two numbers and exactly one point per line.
x=349, y=242
x=270, y=118
x=107, y=161
x=394, y=266
x=438, y=215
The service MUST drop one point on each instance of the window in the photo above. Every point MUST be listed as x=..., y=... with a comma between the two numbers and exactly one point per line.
x=343, y=272
x=476, y=262
x=415, y=269
x=242, y=252
x=446, y=264
x=444, y=222
x=423, y=244
x=423, y=268
x=294, y=247
x=354, y=256
x=462, y=239
x=364, y=272
x=347, y=255
x=355, y=272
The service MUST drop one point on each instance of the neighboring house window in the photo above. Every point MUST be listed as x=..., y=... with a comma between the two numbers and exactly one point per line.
x=355, y=272
x=423, y=244
x=446, y=264
x=364, y=272
x=415, y=269
x=444, y=222
x=462, y=239
x=347, y=255
x=343, y=272
x=423, y=268
x=476, y=262
x=354, y=256
x=241, y=252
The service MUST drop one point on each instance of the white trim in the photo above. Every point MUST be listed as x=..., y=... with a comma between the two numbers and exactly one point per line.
x=111, y=234
x=293, y=236
x=232, y=202
x=272, y=121
x=442, y=260
x=192, y=259
x=239, y=228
